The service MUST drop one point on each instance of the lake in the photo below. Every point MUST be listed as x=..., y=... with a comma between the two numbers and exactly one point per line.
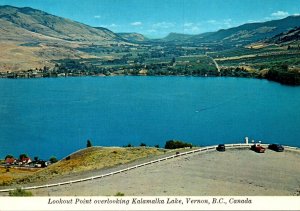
x=56, y=116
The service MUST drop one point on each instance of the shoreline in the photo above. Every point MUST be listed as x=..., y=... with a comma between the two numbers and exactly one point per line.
x=141, y=75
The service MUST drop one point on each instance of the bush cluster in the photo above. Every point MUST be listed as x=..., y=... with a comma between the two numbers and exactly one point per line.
x=173, y=144
x=19, y=192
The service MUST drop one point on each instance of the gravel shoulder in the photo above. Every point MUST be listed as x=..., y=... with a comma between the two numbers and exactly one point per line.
x=234, y=172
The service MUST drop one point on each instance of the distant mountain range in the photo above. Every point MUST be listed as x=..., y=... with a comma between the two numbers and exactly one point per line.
x=31, y=38
x=177, y=37
x=133, y=37
x=241, y=35
x=27, y=24
x=286, y=37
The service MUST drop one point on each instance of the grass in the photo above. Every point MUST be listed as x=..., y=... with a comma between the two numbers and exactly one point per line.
x=99, y=157
x=90, y=159
x=20, y=192
x=6, y=177
x=119, y=194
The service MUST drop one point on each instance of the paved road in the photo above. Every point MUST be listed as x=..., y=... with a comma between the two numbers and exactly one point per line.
x=87, y=176
x=217, y=66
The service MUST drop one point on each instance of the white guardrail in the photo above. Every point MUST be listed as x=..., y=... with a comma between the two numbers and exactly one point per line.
x=203, y=149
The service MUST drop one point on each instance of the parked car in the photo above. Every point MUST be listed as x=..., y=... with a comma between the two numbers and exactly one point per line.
x=276, y=147
x=221, y=147
x=258, y=148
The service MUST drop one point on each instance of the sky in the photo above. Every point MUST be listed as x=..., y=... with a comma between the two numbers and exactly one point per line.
x=157, y=18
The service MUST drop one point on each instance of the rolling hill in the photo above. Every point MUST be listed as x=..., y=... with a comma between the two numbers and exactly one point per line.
x=290, y=37
x=241, y=35
x=133, y=37
x=38, y=25
x=177, y=37
x=31, y=38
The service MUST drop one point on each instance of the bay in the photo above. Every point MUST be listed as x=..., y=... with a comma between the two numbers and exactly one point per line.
x=56, y=116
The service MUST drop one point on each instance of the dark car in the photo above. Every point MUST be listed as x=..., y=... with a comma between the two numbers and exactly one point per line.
x=276, y=147
x=221, y=147
x=258, y=148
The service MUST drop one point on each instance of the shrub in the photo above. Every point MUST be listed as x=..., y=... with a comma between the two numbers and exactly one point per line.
x=19, y=192
x=53, y=159
x=22, y=156
x=156, y=146
x=173, y=144
x=8, y=156
x=143, y=145
x=88, y=143
x=129, y=145
x=119, y=194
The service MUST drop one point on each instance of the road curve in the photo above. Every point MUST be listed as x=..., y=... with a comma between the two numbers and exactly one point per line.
x=200, y=150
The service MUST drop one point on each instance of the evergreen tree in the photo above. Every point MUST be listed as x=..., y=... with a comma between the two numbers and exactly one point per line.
x=89, y=143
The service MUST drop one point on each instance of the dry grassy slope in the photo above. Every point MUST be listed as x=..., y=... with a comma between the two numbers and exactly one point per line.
x=13, y=173
x=46, y=24
x=16, y=57
x=101, y=157
x=32, y=39
x=90, y=159
x=133, y=37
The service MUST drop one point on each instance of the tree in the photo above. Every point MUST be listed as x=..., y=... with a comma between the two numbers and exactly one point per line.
x=36, y=158
x=53, y=159
x=173, y=144
x=173, y=61
x=143, y=145
x=89, y=143
x=129, y=145
x=8, y=156
x=22, y=156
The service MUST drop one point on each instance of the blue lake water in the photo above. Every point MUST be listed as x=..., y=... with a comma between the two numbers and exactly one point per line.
x=56, y=116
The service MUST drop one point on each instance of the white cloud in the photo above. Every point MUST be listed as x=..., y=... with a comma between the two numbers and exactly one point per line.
x=113, y=25
x=188, y=24
x=137, y=23
x=280, y=14
x=191, y=28
x=110, y=26
x=163, y=25
x=151, y=31
x=195, y=29
x=212, y=21
x=97, y=16
x=296, y=14
x=219, y=24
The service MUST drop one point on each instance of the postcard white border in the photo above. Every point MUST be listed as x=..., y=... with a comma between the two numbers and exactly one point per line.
x=151, y=203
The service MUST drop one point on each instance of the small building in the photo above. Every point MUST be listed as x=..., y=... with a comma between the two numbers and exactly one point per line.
x=10, y=161
x=25, y=160
x=41, y=164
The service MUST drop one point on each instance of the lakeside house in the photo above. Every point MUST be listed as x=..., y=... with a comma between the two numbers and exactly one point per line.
x=25, y=161
x=21, y=162
x=10, y=161
x=39, y=164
